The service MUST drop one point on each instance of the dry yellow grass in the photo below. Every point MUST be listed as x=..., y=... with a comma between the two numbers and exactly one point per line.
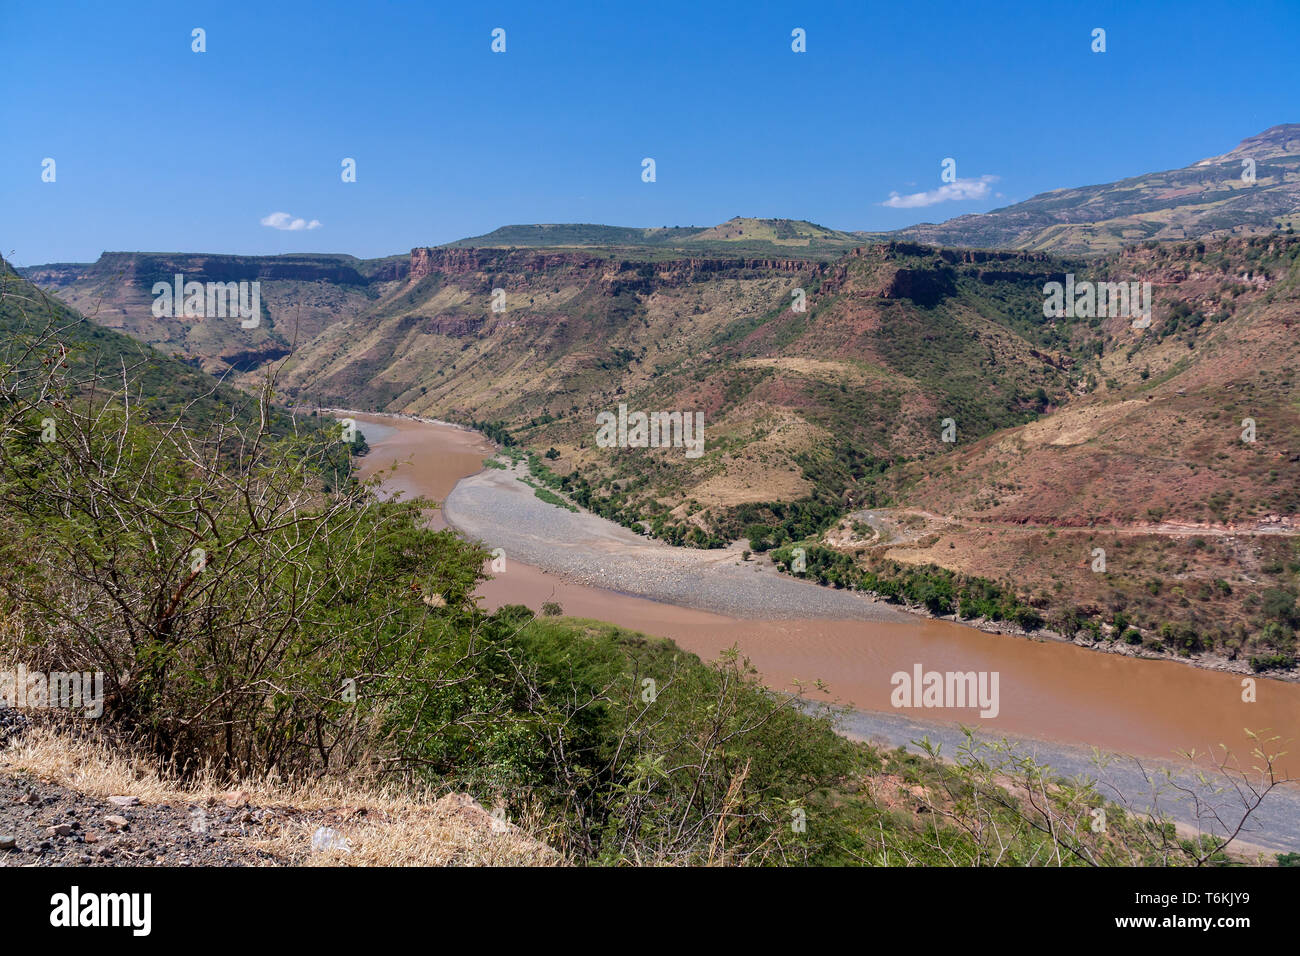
x=1074, y=426
x=857, y=374
x=383, y=827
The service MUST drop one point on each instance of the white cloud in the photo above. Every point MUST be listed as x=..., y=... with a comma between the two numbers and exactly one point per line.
x=961, y=189
x=282, y=220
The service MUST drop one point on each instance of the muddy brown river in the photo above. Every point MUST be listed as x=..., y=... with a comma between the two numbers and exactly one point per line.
x=1048, y=690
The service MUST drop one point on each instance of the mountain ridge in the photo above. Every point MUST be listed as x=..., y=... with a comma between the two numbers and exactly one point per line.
x=1206, y=199
x=791, y=235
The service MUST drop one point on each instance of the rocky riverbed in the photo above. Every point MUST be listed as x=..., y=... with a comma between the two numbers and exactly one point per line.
x=499, y=509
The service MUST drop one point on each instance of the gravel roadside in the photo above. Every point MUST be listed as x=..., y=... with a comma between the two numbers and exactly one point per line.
x=45, y=824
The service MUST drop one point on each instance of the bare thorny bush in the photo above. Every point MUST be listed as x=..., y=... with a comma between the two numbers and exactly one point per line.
x=239, y=609
x=702, y=766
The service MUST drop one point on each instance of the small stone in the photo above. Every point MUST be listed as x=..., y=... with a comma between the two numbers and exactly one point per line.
x=61, y=829
x=327, y=838
x=117, y=823
x=124, y=801
x=91, y=837
x=8, y=842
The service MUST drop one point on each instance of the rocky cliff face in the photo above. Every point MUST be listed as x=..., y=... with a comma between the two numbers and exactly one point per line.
x=901, y=276
x=462, y=262
x=146, y=267
x=925, y=287
x=54, y=275
x=301, y=295
x=454, y=325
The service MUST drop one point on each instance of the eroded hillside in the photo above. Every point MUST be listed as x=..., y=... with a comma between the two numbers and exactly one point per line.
x=299, y=296
x=1160, y=507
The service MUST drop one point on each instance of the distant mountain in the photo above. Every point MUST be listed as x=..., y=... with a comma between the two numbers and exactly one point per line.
x=559, y=235
x=300, y=296
x=1208, y=199
x=167, y=387
x=793, y=237
x=303, y=295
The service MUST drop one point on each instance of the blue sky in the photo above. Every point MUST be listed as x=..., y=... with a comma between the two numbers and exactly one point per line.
x=159, y=148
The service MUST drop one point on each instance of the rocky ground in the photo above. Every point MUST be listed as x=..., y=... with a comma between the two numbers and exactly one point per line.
x=77, y=800
x=45, y=824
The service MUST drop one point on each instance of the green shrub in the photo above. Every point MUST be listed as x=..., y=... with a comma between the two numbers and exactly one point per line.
x=1272, y=662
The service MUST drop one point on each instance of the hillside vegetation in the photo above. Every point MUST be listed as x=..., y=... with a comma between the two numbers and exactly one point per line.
x=87, y=356
x=1182, y=465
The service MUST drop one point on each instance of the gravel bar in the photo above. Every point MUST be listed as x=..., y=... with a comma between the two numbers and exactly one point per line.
x=499, y=509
